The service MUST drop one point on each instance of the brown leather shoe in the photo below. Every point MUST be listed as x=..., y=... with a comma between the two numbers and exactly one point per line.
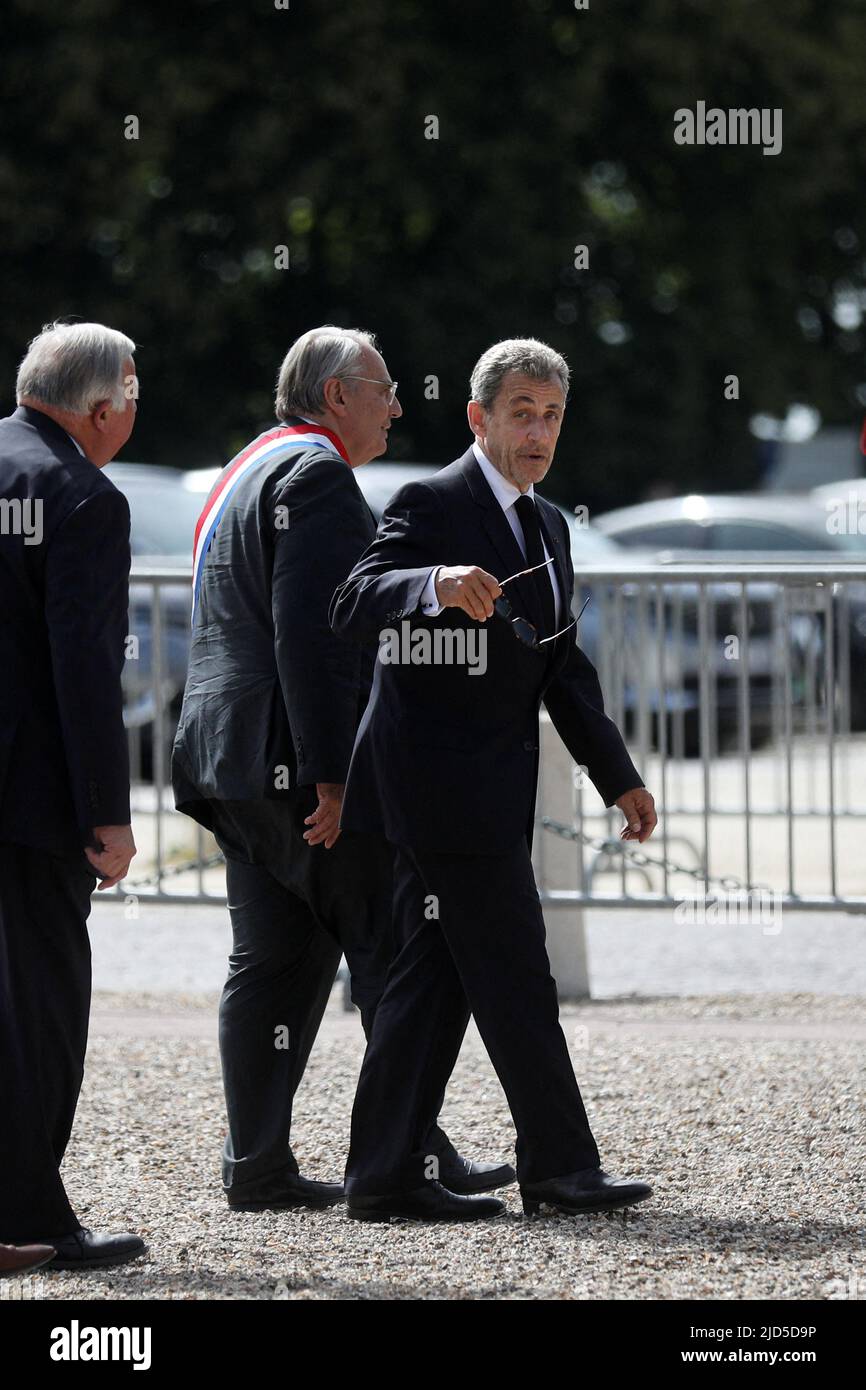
x=16, y=1259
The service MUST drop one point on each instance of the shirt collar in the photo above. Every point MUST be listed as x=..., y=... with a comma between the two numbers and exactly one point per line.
x=76, y=443
x=317, y=425
x=506, y=493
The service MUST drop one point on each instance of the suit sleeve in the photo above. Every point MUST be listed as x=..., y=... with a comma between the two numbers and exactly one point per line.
x=389, y=581
x=326, y=529
x=576, y=706
x=87, y=613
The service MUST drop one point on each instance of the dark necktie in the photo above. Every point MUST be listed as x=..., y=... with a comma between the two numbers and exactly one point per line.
x=528, y=515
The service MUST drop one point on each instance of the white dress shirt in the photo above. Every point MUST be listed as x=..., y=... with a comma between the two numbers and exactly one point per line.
x=506, y=494
x=74, y=441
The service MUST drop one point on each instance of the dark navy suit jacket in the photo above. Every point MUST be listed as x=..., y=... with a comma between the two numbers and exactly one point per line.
x=447, y=760
x=63, y=624
x=269, y=685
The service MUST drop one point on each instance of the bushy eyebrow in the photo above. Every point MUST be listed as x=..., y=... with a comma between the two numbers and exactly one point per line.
x=515, y=400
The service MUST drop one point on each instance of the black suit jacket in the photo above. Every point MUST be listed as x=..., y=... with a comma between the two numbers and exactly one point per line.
x=63, y=624
x=445, y=759
x=269, y=685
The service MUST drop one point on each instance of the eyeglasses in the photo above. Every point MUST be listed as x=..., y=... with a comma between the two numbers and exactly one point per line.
x=391, y=385
x=523, y=630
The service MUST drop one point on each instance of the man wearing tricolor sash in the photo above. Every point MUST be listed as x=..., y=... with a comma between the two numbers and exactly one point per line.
x=272, y=704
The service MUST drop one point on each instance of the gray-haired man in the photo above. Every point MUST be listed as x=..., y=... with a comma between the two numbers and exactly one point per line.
x=272, y=703
x=446, y=764
x=64, y=774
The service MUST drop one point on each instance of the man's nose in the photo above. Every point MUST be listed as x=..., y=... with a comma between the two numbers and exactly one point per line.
x=396, y=409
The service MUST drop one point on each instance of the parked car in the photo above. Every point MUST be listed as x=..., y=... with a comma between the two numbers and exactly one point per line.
x=703, y=526
x=747, y=528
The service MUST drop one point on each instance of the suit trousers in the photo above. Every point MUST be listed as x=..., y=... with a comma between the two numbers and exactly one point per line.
x=473, y=940
x=295, y=909
x=44, y=1009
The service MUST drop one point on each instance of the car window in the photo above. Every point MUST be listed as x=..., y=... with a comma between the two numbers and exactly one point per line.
x=762, y=535
x=662, y=535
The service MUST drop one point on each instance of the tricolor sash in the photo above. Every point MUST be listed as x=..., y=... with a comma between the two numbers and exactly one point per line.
x=284, y=439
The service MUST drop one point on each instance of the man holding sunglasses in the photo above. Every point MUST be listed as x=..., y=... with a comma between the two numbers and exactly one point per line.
x=446, y=767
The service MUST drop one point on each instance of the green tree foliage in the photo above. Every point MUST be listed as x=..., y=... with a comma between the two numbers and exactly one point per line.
x=260, y=127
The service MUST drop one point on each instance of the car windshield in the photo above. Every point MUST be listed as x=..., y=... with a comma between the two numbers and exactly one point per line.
x=678, y=534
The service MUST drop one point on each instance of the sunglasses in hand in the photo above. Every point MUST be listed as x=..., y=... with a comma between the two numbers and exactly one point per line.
x=525, y=631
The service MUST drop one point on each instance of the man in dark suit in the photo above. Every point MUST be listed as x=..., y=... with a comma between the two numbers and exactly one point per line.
x=445, y=764
x=64, y=773
x=272, y=704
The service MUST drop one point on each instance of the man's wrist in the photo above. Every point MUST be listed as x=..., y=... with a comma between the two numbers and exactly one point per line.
x=430, y=604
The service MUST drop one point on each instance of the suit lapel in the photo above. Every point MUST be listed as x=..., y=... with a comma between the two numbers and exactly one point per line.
x=553, y=541
x=522, y=593
x=555, y=547
x=493, y=519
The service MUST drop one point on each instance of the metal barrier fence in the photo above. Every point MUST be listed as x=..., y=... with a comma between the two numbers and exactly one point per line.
x=741, y=690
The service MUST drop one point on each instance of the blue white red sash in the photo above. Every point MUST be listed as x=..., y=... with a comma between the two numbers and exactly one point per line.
x=284, y=439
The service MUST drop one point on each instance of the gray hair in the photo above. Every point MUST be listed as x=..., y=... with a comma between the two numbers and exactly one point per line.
x=74, y=366
x=311, y=360
x=527, y=356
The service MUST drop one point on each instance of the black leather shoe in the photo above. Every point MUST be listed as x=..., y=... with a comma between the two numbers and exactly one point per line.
x=283, y=1192
x=590, y=1189
x=432, y=1202
x=461, y=1175
x=84, y=1250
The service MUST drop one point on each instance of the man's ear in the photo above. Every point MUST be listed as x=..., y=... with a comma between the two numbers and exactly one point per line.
x=335, y=394
x=476, y=416
x=100, y=415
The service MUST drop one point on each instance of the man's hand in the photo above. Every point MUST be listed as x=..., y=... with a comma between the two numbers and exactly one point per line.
x=118, y=850
x=639, y=810
x=469, y=588
x=325, y=820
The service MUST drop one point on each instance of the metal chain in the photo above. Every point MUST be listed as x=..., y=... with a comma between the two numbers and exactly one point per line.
x=154, y=880
x=636, y=856
x=554, y=827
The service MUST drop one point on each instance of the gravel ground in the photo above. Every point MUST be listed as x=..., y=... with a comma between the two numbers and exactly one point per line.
x=744, y=1112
